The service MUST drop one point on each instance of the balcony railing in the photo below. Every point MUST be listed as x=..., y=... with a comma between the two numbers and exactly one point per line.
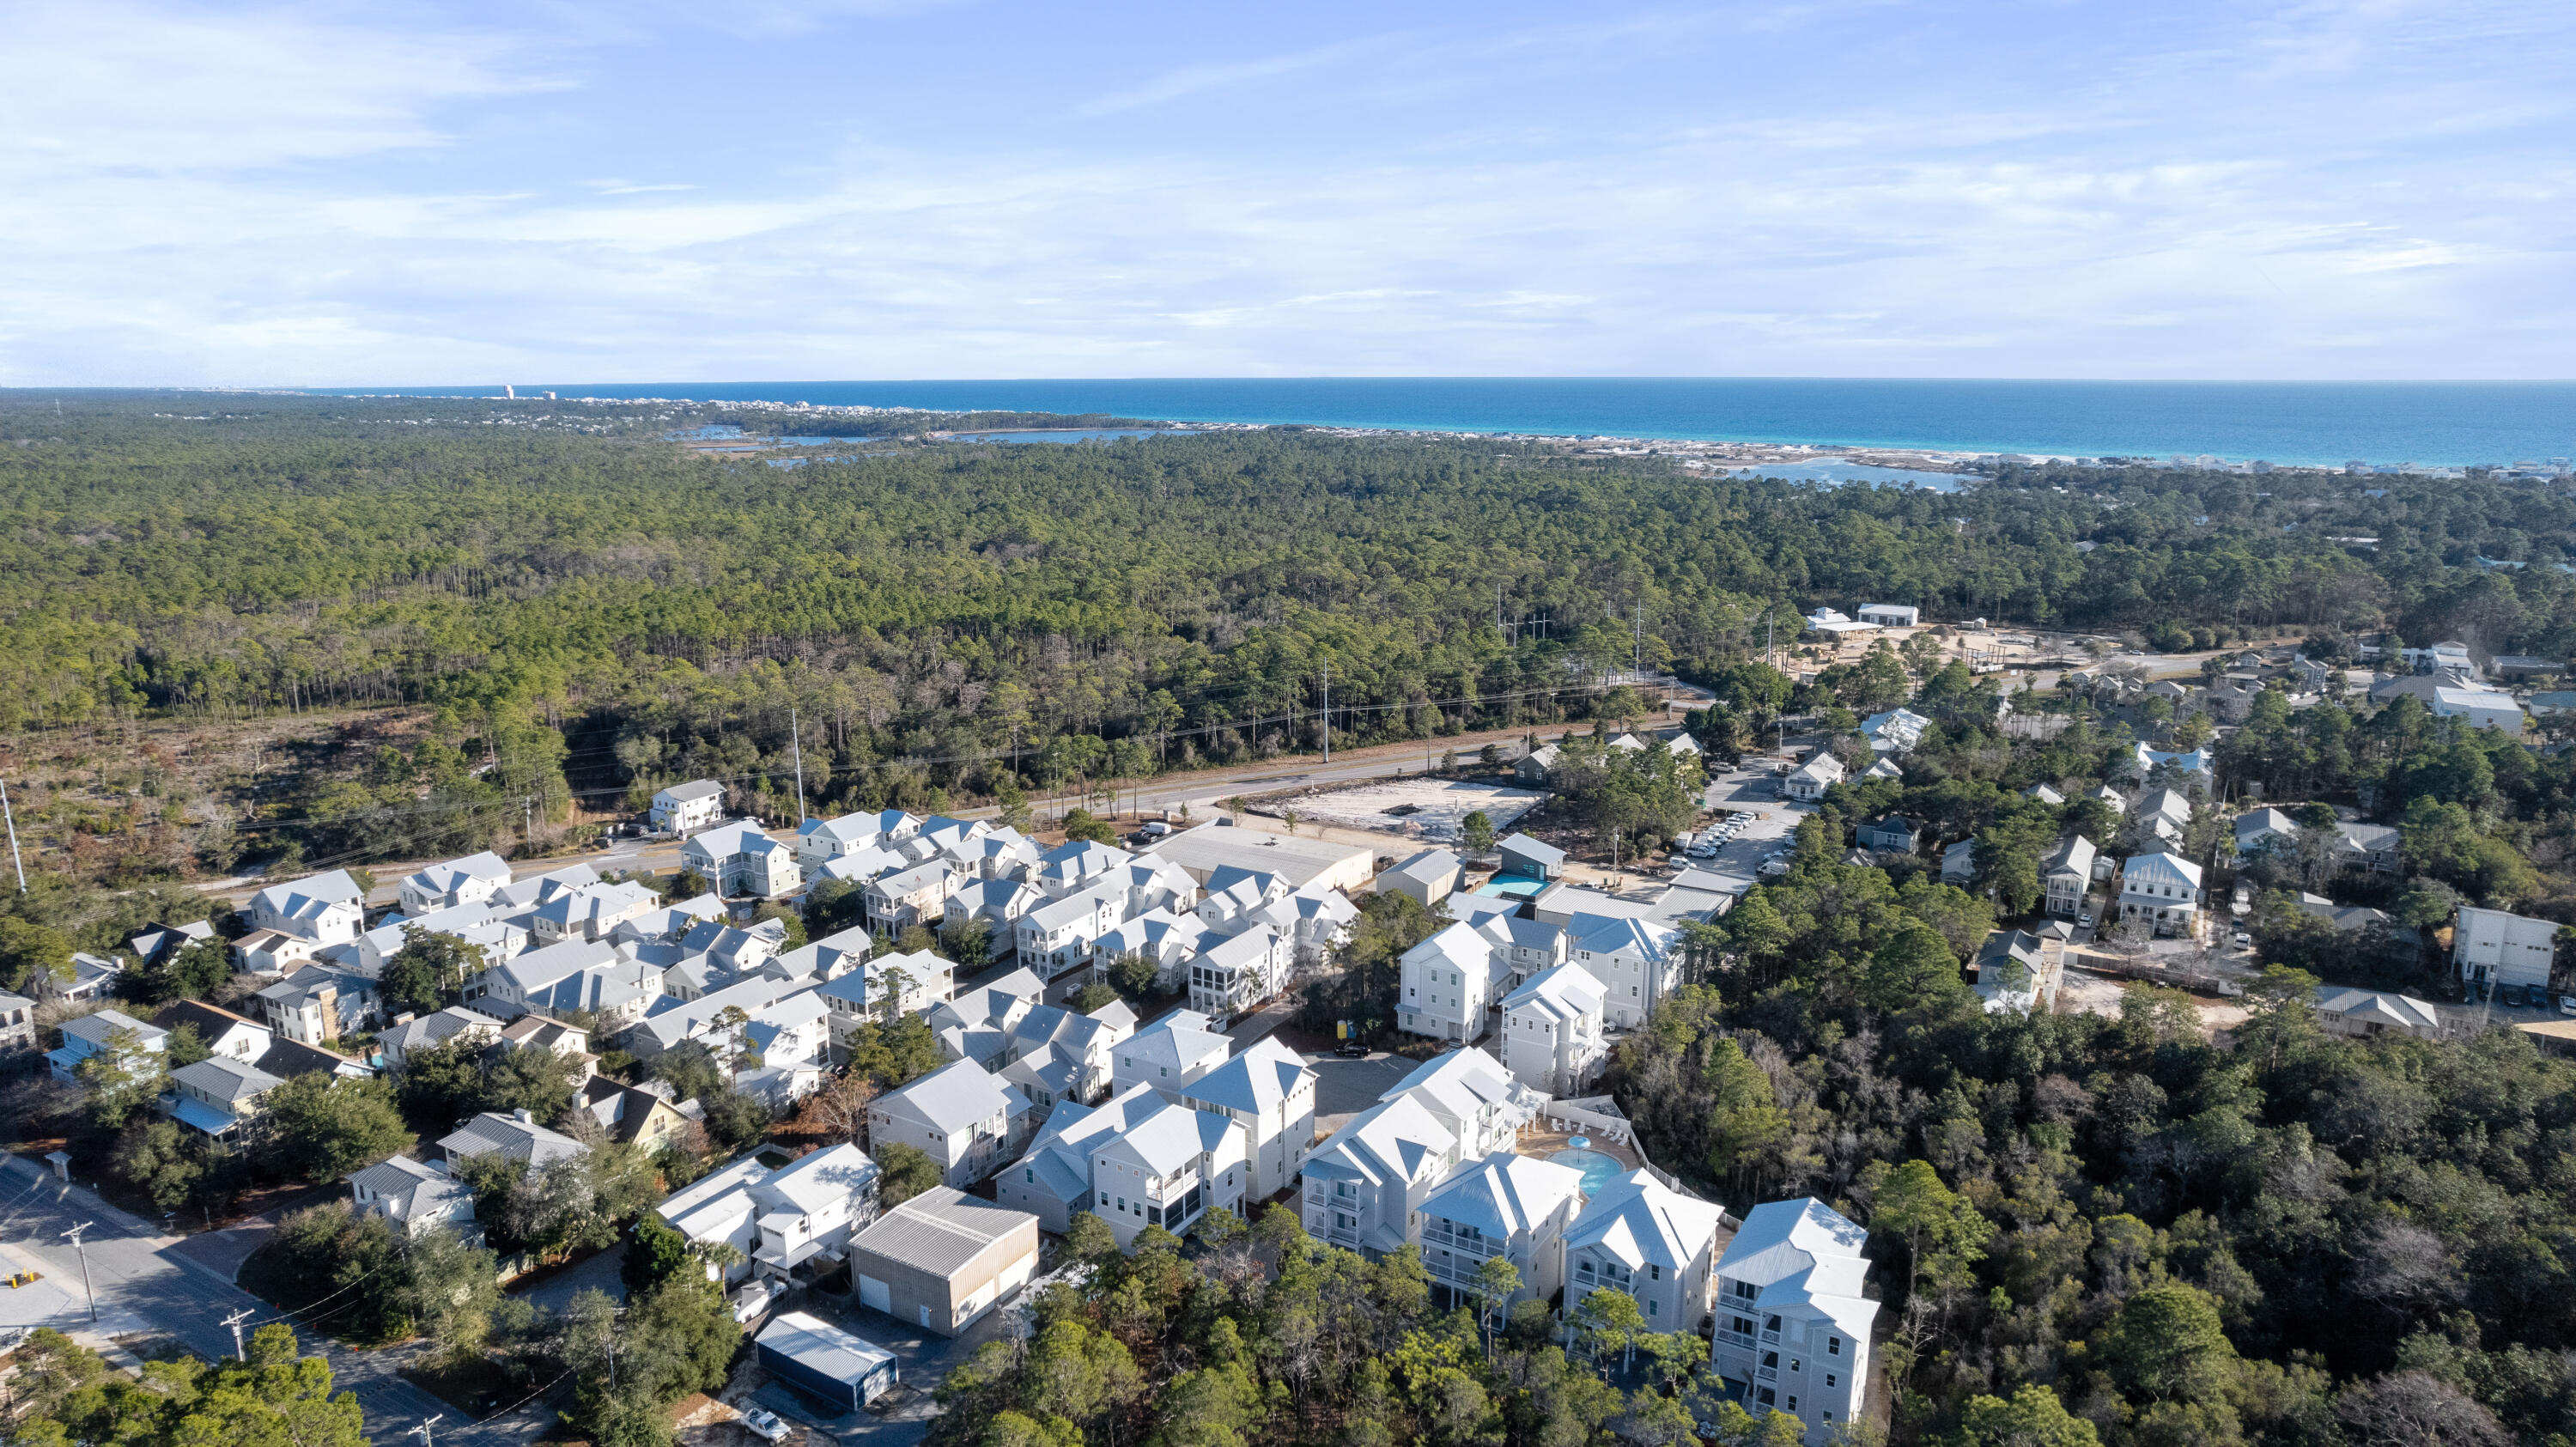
x=1735, y=1338
x=1766, y=1374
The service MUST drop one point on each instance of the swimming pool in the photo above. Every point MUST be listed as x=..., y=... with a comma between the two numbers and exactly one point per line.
x=1512, y=886
x=1598, y=1170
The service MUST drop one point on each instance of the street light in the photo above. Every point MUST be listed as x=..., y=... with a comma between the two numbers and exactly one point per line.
x=75, y=1234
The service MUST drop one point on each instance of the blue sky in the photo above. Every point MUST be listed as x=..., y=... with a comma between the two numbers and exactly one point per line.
x=650, y=191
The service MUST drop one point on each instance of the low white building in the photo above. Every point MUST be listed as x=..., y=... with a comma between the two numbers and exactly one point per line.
x=1810, y=780
x=1553, y=1037
x=1642, y=1237
x=1506, y=1205
x=1793, y=1319
x=2345, y=1011
x=1427, y=877
x=417, y=1197
x=2163, y=893
x=2480, y=708
x=688, y=808
x=1891, y=615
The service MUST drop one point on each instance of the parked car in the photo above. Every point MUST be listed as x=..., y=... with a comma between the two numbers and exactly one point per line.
x=2567, y=1004
x=1155, y=829
x=2086, y=922
x=2244, y=941
x=1351, y=1050
x=2509, y=995
x=764, y=1424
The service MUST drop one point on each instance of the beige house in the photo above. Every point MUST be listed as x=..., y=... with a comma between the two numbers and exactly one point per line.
x=942, y=1259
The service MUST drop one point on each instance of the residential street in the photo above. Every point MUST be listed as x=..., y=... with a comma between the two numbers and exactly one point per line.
x=145, y=1285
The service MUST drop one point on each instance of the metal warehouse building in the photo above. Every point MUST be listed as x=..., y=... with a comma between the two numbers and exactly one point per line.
x=825, y=1362
x=943, y=1258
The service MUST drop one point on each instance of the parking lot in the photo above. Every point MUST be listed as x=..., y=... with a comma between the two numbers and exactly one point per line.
x=1344, y=1088
x=1754, y=792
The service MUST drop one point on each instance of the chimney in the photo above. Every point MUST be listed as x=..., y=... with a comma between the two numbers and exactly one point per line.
x=404, y=1018
x=523, y=1117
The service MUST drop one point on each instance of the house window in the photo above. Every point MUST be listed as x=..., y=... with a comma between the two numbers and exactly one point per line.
x=1793, y=1404
x=1833, y=1346
x=1829, y=1381
x=1796, y=1365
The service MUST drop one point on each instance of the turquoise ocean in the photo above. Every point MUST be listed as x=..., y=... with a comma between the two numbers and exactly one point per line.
x=2436, y=424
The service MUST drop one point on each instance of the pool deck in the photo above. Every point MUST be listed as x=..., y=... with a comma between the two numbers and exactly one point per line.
x=1540, y=1143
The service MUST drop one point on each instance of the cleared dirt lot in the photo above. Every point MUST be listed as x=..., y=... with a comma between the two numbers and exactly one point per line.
x=1433, y=810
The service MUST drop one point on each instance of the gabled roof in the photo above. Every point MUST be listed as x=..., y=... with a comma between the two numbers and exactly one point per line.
x=1459, y=1084
x=1505, y=1195
x=438, y=1028
x=954, y=1098
x=2162, y=869
x=1258, y=1080
x=1803, y=1252
x=226, y=1080
x=822, y=1178
x=1459, y=946
x=1429, y=867
x=407, y=1186
x=1644, y=1222
x=2397, y=1012
x=1563, y=992
x=1176, y=1044
x=2074, y=855
x=1604, y=934
x=694, y=789
x=1166, y=1138
x=541, y=967
x=1528, y=848
x=940, y=1231
x=515, y=1139
x=486, y=867
x=1395, y=1141
x=296, y=899
x=2256, y=826
x=743, y=836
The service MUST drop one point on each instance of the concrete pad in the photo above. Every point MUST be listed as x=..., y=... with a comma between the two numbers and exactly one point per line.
x=1434, y=810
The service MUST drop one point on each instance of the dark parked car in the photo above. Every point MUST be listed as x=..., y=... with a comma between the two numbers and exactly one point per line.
x=1351, y=1050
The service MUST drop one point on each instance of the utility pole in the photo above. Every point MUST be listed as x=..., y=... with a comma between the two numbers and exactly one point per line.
x=1327, y=714
x=75, y=1234
x=1499, y=629
x=422, y=1431
x=235, y=1321
x=796, y=742
x=528, y=821
x=14, y=861
x=1637, y=642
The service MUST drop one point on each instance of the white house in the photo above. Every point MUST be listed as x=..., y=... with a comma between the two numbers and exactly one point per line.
x=1473, y=1097
x=1448, y=982
x=2195, y=761
x=688, y=808
x=968, y=1121
x=999, y=904
x=316, y=1004
x=1522, y=947
x=1632, y=958
x=1364, y=1185
x=1642, y=1237
x=738, y=858
x=1074, y=866
x=916, y=896
x=1169, y=1054
x=1891, y=615
x=88, y=1035
x=1057, y=936
x=1234, y=894
x=820, y=841
x=516, y=1136
x=1146, y=1161
x=1240, y=971
x=1506, y=1205
x=470, y=880
x=409, y=1033
x=2067, y=875
x=296, y=921
x=1057, y=1054
x=1552, y=1031
x=417, y=1197
x=778, y=1220
x=592, y=912
x=2501, y=948
x=1792, y=1319
x=2342, y=1010
x=1811, y=779
x=2163, y=892
x=1269, y=1091
x=505, y=991
x=1897, y=731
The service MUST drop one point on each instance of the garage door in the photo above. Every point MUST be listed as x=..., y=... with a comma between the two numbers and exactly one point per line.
x=873, y=1292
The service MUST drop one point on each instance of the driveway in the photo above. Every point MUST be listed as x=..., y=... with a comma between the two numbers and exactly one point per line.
x=598, y=1271
x=1344, y=1088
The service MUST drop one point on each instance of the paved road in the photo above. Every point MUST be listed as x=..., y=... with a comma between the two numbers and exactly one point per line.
x=144, y=1285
